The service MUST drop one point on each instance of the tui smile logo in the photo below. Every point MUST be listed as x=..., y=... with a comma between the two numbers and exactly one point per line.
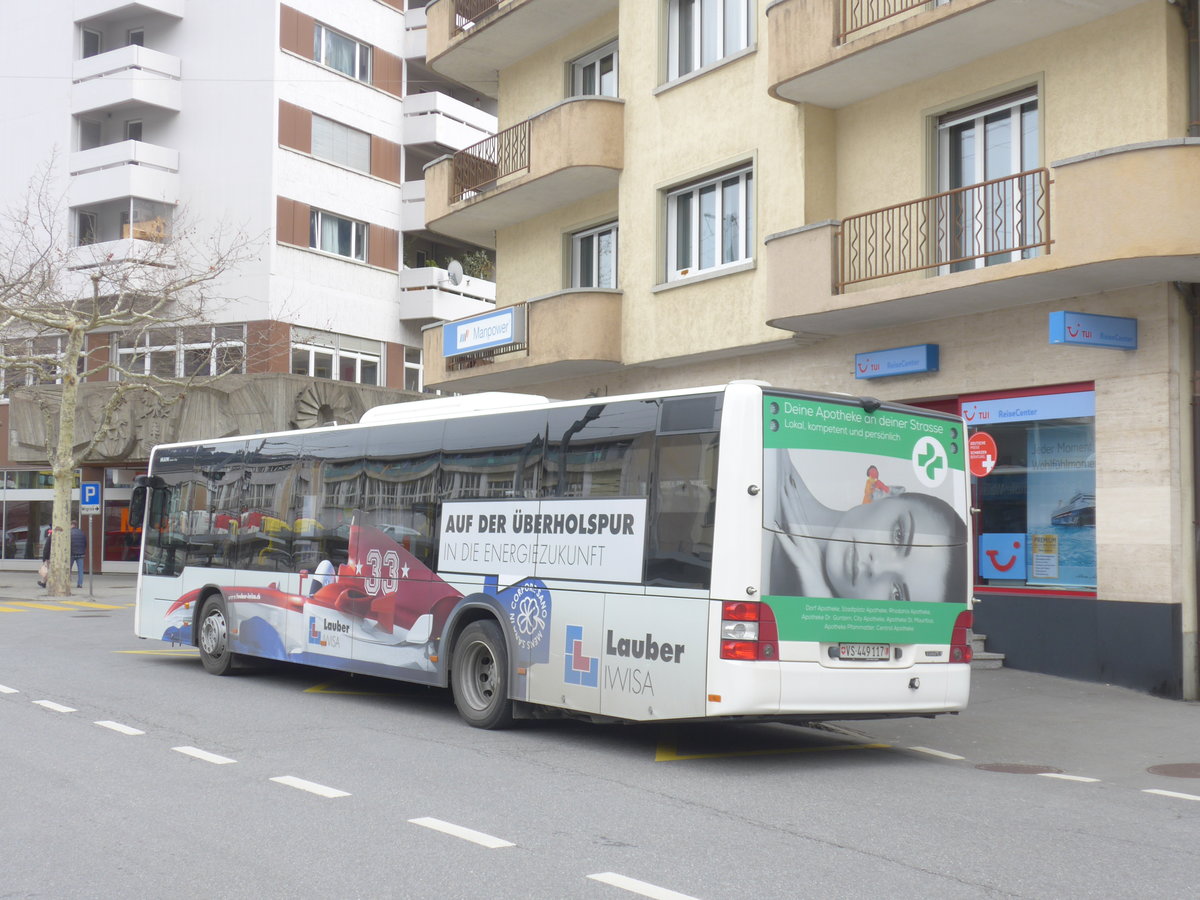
x=1002, y=555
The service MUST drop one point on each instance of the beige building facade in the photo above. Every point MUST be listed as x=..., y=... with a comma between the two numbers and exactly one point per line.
x=1000, y=205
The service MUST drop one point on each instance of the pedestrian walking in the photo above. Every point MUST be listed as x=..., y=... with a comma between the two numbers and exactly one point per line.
x=78, y=550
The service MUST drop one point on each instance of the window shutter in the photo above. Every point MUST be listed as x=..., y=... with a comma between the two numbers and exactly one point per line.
x=295, y=127
x=296, y=31
x=388, y=74
x=383, y=248
x=385, y=159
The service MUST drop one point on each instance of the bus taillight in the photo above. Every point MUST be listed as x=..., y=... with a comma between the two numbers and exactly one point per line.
x=748, y=631
x=961, y=650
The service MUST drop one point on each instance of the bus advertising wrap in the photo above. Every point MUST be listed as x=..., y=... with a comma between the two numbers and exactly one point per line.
x=864, y=512
x=593, y=540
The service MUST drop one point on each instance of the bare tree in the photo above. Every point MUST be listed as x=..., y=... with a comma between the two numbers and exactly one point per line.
x=55, y=292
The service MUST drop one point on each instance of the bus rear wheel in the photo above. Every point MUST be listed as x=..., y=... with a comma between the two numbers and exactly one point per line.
x=212, y=637
x=479, y=676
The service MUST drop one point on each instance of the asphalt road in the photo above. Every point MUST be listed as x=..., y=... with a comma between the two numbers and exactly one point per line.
x=127, y=771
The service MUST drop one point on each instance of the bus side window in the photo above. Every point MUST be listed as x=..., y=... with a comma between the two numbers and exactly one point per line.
x=600, y=450
x=682, y=510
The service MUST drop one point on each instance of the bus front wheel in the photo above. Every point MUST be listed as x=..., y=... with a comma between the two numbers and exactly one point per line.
x=213, y=637
x=479, y=676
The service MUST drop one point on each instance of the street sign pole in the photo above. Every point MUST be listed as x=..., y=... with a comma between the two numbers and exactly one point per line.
x=90, y=502
x=88, y=558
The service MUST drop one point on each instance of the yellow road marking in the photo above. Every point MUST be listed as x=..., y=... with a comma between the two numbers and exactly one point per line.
x=10, y=609
x=34, y=605
x=92, y=604
x=325, y=688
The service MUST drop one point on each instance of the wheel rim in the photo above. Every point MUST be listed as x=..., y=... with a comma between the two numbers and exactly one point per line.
x=214, y=635
x=482, y=676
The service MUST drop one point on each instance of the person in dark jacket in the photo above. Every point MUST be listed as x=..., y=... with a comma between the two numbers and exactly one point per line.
x=78, y=550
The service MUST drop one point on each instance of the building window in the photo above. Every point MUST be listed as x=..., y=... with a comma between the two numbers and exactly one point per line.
x=85, y=228
x=200, y=351
x=1037, y=521
x=596, y=73
x=337, y=358
x=346, y=55
x=90, y=45
x=333, y=234
x=414, y=369
x=701, y=32
x=133, y=130
x=983, y=146
x=341, y=144
x=594, y=257
x=90, y=134
x=710, y=224
x=136, y=37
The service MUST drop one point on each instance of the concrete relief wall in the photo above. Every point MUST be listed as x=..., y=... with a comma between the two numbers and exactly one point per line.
x=242, y=404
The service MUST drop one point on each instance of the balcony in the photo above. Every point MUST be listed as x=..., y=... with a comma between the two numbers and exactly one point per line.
x=1121, y=217
x=87, y=10
x=412, y=206
x=427, y=294
x=567, y=153
x=837, y=52
x=415, y=31
x=470, y=41
x=569, y=334
x=123, y=169
x=126, y=77
x=437, y=119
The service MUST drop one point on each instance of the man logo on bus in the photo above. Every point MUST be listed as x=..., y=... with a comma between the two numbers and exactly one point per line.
x=579, y=669
x=529, y=611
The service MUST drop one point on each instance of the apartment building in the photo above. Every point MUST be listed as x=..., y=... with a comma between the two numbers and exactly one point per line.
x=305, y=127
x=971, y=205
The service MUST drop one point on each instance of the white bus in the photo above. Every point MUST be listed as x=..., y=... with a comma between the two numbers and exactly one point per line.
x=726, y=552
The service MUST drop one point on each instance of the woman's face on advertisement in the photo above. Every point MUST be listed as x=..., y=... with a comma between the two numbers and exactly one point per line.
x=877, y=552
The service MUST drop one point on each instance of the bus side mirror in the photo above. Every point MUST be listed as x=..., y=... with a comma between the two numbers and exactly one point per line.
x=137, y=506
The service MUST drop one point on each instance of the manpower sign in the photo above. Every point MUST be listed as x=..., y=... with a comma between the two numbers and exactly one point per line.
x=485, y=332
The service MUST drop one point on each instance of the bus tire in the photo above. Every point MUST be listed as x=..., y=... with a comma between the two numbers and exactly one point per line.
x=479, y=676
x=212, y=637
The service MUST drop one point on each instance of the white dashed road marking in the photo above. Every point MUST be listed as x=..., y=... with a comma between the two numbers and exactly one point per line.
x=940, y=753
x=311, y=786
x=477, y=837
x=117, y=726
x=57, y=707
x=1175, y=794
x=204, y=755
x=1062, y=777
x=639, y=887
x=4, y=689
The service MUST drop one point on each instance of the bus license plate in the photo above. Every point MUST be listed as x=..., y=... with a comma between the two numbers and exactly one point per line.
x=864, y=651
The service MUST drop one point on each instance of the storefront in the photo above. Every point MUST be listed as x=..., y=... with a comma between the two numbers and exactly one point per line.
x=26, y=510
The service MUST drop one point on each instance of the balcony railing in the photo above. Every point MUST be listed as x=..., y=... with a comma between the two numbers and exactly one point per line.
x=481, y=165
x=858, y=15
x=468, y=13
x=996, y=221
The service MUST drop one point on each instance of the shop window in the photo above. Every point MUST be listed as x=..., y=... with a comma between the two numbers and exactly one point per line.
x=1036, y=528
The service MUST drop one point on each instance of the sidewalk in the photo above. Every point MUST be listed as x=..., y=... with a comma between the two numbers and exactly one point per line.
x=103, y=588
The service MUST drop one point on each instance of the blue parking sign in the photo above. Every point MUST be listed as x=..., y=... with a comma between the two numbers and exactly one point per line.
x=89, y=498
